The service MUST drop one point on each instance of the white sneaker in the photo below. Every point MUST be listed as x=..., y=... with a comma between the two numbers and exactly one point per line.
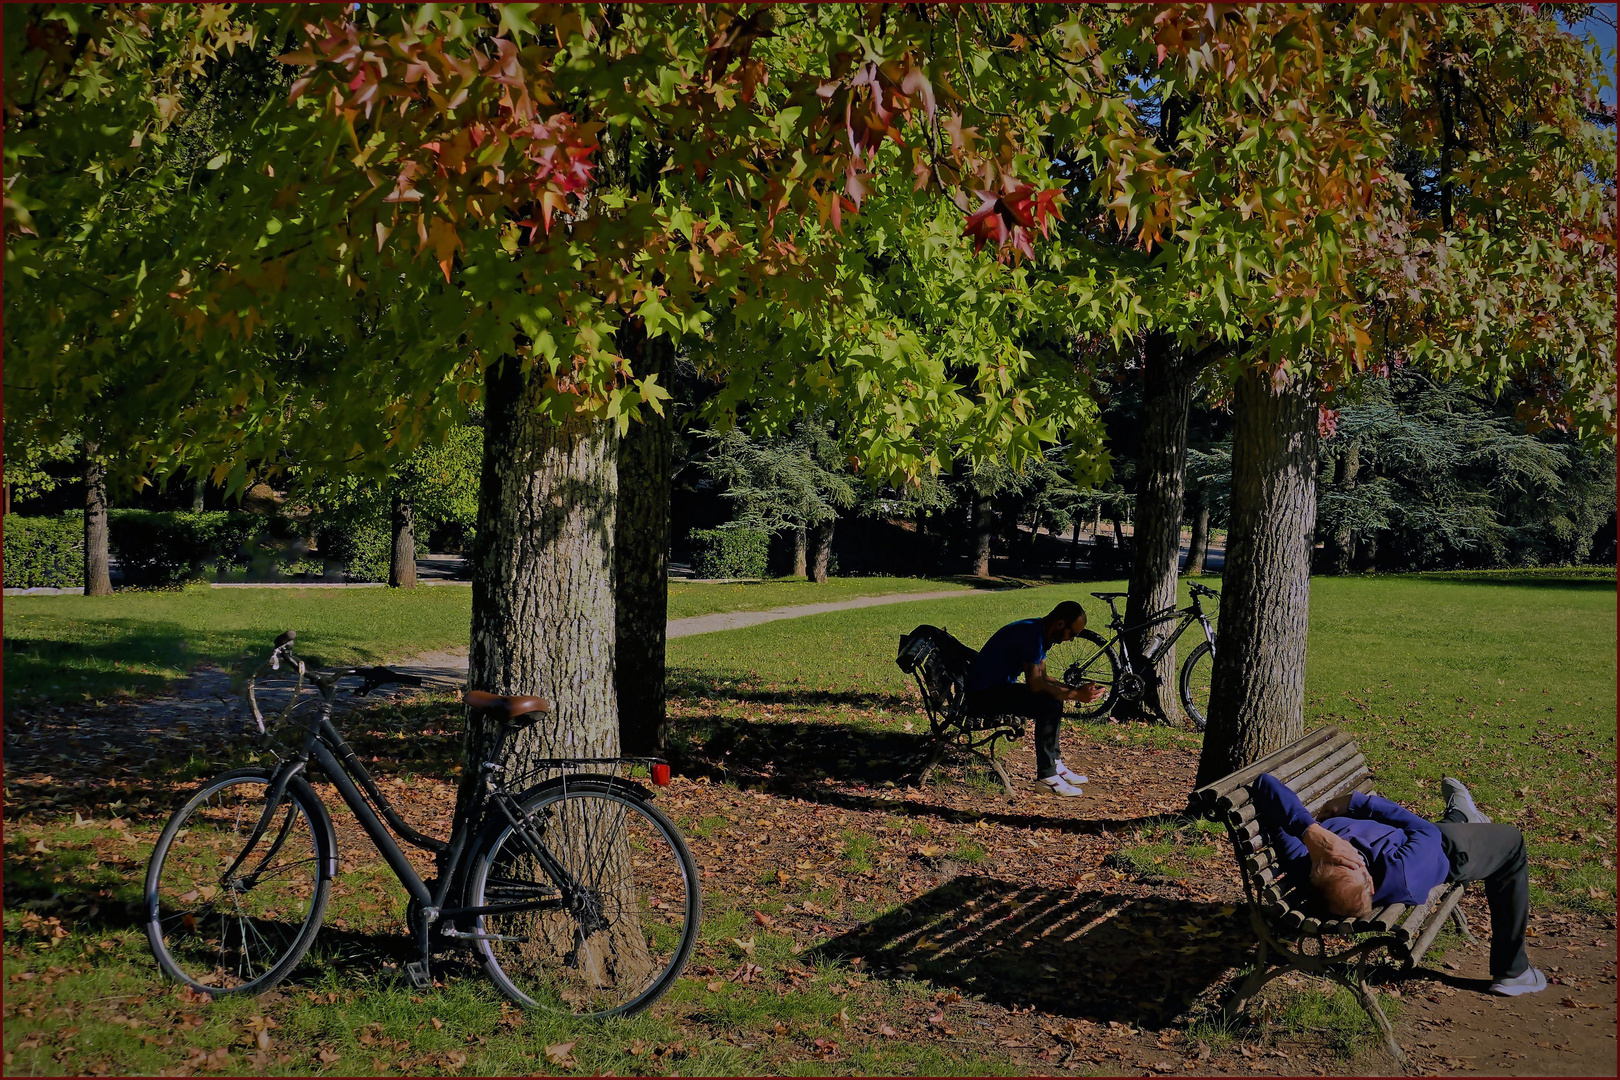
x=1530, y=981
x=1068, y=775
x=1061, y=786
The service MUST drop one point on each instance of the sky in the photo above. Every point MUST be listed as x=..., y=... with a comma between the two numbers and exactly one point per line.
x=1601, y=26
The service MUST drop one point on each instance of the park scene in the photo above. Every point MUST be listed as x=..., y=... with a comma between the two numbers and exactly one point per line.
x=809, y=540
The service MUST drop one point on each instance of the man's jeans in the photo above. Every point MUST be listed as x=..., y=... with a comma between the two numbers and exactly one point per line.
x=1016, y=699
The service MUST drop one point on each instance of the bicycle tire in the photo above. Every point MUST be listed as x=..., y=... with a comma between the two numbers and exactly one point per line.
x=1098, y=664
x=1194, y=683
x=275, y=908
x=646, y=917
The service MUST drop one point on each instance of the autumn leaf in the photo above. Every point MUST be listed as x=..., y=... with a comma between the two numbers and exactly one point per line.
x=560, y=1055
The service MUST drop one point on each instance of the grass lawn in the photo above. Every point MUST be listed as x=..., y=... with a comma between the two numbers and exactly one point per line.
x=844, y=924
x=76, y=648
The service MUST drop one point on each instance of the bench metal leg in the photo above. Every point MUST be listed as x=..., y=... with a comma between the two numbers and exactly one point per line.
x=1460, y=922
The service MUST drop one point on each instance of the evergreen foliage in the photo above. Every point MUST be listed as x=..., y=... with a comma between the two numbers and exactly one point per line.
x=44, y=552
x=729, y=553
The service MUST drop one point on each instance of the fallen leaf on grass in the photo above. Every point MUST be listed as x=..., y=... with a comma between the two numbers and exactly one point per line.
x=887, y=1032
x=715, y=986
x=438, y=1025
x=763, y=920
x=456, y=1059
x=328, y=1056
x=560, y=1055
x=746, y=973
x=747, y=946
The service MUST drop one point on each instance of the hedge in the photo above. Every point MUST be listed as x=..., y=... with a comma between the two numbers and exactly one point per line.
x=44, y=552
x=728, y=553
x=164, y=547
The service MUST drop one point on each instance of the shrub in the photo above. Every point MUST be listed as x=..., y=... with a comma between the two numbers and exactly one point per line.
x=729, y=553
x=164, y=547
x=44, y=552
x=359, y=545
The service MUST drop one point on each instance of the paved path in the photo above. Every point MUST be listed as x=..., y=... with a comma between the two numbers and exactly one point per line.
x=450, y=666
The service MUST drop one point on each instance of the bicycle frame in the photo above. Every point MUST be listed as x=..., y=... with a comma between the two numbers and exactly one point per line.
x=1192, y=613
x=326, y=746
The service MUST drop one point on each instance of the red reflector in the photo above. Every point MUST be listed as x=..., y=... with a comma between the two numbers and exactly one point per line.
x=660, y=775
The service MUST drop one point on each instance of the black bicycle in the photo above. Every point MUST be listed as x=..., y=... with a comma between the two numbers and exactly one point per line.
x=1106, y=662
x=575, y=892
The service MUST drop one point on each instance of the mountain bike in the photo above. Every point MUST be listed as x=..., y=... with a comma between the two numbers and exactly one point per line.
x=574, y=891
x=1105, y=661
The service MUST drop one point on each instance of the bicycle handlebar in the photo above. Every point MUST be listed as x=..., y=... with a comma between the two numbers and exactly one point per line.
x=372, y=678
x=1202, y=590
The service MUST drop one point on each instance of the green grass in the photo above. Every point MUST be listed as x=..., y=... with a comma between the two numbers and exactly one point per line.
x=690, y=598
x=1510, y=688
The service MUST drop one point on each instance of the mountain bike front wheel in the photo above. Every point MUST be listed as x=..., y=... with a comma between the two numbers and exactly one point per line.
x=1092, y=661
x=1196, y=675
x=227, y=917
x=614, y=933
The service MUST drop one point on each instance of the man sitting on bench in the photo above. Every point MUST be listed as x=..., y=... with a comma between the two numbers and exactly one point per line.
x=993, y=688
x=1363, y=851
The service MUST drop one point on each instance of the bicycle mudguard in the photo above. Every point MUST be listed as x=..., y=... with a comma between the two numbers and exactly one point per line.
x=616, y=783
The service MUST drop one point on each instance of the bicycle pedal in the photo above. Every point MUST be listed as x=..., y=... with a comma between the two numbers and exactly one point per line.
x=421, y=978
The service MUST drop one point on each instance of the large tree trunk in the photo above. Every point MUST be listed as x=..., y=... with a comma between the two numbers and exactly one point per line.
x=1341, y=542
x=1161, y=472
x=801, y=549
x=198, y=491
x=542, y=604
x=402, y=558
x=1198, y=542
x=821, y=550
x=984, y=524
x=1257, y=696
x=97, y=566
x=641, y=557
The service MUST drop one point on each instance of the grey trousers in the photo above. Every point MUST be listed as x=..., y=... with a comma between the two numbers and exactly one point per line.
x=1494, y=854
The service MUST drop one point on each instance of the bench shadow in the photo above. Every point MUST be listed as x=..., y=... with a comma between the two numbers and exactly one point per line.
x=1091, y=955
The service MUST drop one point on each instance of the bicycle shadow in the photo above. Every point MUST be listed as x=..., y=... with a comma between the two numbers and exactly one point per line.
x=1092, y=956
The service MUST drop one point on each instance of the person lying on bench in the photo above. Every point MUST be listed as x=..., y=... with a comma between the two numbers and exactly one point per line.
x=1362, y=852
x=993, y=688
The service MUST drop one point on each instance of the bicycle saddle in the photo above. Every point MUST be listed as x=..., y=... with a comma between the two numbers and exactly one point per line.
x=1109, y=595
x=515, y=705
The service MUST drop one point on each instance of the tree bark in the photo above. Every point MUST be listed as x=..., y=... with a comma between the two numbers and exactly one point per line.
x=801, y=548
x=1161, y=473
x=641, y=558
x=1074, y=545
x=542, y=604
x=1257, y=696
x=821, y=550
x=1198, y=542
x=402, y=558
x=97, y=564
x=198, y=491
x=984, y=523
x=1341, y=542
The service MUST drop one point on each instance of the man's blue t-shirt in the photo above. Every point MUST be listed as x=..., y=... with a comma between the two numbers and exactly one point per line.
x=1006, y=654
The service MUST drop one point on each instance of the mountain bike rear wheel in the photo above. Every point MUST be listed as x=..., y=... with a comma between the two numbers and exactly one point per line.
x=227, y=919
x=616, y=942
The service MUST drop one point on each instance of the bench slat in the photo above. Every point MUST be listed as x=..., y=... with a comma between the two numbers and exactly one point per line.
x=1327, y=764
x=1210, y=794
x=1289, y=772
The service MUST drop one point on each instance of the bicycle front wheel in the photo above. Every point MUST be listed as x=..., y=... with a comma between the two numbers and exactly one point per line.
x=228, y=913
x=1093, y=661
x=612, y=930
x=1196, y=675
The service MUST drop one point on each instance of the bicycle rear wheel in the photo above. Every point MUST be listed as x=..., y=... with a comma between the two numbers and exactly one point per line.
x=614, y=944
x=1089, y=659
x=228, y=919
x=1196, y=674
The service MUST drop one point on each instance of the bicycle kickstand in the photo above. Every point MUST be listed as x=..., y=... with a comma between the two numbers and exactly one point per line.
x=420, y=975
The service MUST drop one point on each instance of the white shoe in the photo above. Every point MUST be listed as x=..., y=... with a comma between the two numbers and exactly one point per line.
x=1069, y=776
x=1530, y=981
x=1061, y=786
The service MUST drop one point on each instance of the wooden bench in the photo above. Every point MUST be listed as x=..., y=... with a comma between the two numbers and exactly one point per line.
x=1289, y=920
x=940, y=664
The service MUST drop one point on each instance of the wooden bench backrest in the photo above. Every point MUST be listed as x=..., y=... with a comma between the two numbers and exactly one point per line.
x=1323, y=764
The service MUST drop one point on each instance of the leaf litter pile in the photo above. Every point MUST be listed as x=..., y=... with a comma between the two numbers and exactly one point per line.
x=854, y=921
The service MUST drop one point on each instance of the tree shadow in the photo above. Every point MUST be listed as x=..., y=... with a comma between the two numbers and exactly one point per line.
x=791, y=759
x=1093, y=956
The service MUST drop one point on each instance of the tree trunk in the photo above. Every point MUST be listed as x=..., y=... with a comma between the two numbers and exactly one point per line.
x=402, y=559
x=542, y=603
x=1074, y=545
x=1198, y=542
x=1161, y=473
x=1119, y=534
x=1341, y=542
x=198, y=490
x=1257, y=696
x=821, y=551
x=97, y=566
x=801, y=547
x=641, y=558
x=1032, y=552
x=984, y=523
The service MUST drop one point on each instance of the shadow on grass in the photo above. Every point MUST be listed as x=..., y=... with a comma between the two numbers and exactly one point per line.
x=792, y=759
x=1092, y=956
